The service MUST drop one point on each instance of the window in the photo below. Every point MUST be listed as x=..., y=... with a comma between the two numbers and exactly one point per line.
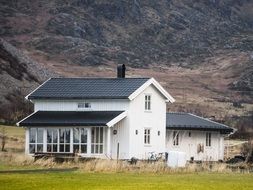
x=58, y=140
x=208, y=139
x=52, y=140
x=146, y=136
x=190, y=134
x=80, y=140
x=97, y=139
x=175, y=138
x=64, y=140
x=35, y=140
x=85, y=105
x=147, y=102
x=158, y=133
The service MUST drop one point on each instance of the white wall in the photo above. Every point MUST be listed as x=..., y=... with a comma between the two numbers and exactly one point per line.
x=139, y=119
x=71, y=105
x=122, y=137
x=189, y=145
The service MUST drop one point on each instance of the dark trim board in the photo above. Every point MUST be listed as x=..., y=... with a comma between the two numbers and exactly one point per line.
x=69, y=118
x=222, y=131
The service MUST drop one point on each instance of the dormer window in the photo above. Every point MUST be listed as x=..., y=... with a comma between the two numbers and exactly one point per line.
x=84, y=105
x=147, y=102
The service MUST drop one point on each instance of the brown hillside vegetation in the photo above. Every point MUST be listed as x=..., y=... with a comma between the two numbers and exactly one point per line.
x=200, y=51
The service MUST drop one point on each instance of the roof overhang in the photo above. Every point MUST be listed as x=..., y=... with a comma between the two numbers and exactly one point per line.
x=117, y=119
x=199, y=128
x=152, y=81
x=72, y=118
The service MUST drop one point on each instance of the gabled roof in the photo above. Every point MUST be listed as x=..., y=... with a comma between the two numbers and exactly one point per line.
x=187, y=121
x=95, y=88
x=72, y=118
x=87, y=88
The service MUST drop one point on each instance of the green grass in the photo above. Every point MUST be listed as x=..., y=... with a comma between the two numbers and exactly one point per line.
x=13, y=131
x=78, y=181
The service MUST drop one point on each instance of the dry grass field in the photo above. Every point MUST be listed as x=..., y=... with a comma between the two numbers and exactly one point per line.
x=110, y=174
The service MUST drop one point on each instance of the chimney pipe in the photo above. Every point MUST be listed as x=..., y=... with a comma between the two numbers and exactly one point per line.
x=121, y=71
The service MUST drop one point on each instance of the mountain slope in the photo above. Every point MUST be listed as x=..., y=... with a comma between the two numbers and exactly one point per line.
x=199, y=49
x=18, y=75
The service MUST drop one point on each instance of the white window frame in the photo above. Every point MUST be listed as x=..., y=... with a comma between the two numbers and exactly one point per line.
x=83, y=105
x=80, y=143
x=59, y=143
x=64, y=143
x=147, y=136
x=52, y=143
x=98, y=143
x=36, y=140
x=147, y=99
x=208, y=139
x=175, y=139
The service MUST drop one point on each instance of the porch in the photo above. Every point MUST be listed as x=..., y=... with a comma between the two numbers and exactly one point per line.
x=86, y=134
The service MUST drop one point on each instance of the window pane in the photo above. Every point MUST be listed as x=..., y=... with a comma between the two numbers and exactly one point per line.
x=93, y=135
x=32, y=148
x=55, y=135
x=49, y=136
x=83, y=148
x=61, y=131
x=76, y=135
x=67, y=136
x=39, y=147
x=101, y=149
x=49, y=148
x=76, y=148
x=67, y=148
x=97, y=134
x=32, y=135
x=55, y=148
x=101, y=135
x=96, y=148
x=80, y=105
x=87, y=105
x=92, y=148
x=83, y=136
x=62, y=148
x=40, y=135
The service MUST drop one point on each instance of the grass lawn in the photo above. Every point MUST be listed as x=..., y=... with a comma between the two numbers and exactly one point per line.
x=78, y=181
x=13, y=131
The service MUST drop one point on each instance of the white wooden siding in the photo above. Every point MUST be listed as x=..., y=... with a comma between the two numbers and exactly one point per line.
x=71, y=105
x=189, y=145
x=155, y=120
x=122, y=137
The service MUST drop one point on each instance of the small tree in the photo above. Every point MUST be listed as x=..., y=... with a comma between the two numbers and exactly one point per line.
x=3, y=137
x=247, y=151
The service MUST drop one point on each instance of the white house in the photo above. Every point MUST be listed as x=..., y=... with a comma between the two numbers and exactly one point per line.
x=201, y=139
x=107, y=118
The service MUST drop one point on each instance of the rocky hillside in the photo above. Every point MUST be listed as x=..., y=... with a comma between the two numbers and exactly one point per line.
x=18, y=75
x=209, y=40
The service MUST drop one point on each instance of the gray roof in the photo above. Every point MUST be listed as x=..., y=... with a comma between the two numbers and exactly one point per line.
x=187, y=121
x=87, y=88
x=69, y=118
